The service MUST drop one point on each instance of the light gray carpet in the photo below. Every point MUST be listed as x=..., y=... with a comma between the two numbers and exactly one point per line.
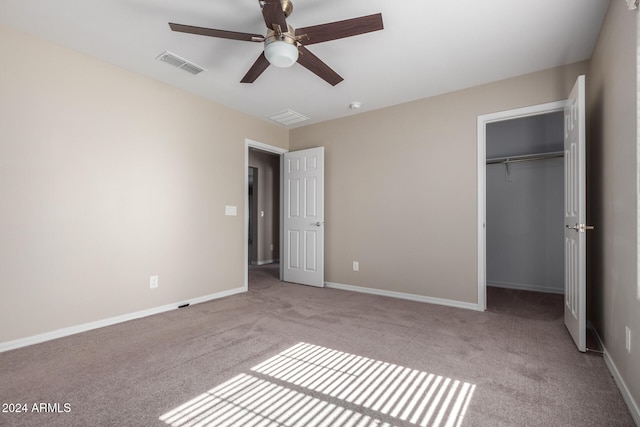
x=319, y=357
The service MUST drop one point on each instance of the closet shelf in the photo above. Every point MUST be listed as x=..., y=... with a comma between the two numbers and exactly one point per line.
x=526, y=157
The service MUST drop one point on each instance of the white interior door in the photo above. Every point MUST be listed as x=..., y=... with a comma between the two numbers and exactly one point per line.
x=303, y=219
x=575, y=313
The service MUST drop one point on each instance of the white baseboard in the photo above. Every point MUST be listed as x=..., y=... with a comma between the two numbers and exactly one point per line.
x=36, y=339
x=634, y=409
x=402, y=295
x=525, y=287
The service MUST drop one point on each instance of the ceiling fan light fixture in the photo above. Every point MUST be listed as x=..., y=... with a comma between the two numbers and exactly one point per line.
x=281, y=53
x=282, y=47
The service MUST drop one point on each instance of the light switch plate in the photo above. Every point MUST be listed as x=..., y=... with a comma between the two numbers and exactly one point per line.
x=231, y=210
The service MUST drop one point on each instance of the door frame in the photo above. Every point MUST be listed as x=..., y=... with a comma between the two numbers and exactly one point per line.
x=248, y=143
x=483, y=120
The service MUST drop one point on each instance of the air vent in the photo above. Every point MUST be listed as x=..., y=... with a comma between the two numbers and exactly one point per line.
x=183, y=64
x=287, y=117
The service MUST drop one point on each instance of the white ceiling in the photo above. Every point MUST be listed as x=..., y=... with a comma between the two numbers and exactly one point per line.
x=427, y=47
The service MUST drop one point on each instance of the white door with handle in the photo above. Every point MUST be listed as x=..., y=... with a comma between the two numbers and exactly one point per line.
x=575, y=307
x=303, y=217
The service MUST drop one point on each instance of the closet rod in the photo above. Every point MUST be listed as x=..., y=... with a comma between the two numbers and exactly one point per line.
x=526, y=157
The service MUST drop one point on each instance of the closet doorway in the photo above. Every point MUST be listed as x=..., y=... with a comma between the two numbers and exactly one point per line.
x=524, y=214
x=521, y=192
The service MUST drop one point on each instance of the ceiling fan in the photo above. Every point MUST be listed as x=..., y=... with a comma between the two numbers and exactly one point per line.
x=284, y=45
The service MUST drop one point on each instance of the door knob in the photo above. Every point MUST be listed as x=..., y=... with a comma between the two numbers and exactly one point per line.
x=581, y=228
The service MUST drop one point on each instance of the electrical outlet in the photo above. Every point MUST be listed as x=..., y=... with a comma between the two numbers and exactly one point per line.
x=356, y=266
x=627, y=339
x=153, y=282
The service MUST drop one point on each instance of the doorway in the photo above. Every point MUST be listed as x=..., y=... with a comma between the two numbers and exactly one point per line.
x=574, y=210
x=524, y=214
x=517, y=163
x=525, y=199
x=301, y=216
x=262, y=207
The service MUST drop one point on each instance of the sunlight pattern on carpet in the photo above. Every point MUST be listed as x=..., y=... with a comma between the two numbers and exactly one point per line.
x=403, y=393
x=249, y=401
x=276, y=393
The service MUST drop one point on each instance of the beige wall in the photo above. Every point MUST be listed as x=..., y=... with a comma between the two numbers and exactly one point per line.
x=106, y=178
x=401, y=186
x=612, y=141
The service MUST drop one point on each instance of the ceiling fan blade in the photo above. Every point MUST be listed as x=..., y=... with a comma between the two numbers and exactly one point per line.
x=224, y=34
x=316, y=66
x=256, y=69
x=273, y=14
x=340, y=29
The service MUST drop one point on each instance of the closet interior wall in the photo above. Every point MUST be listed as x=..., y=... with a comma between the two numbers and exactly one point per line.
x=524, y=202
